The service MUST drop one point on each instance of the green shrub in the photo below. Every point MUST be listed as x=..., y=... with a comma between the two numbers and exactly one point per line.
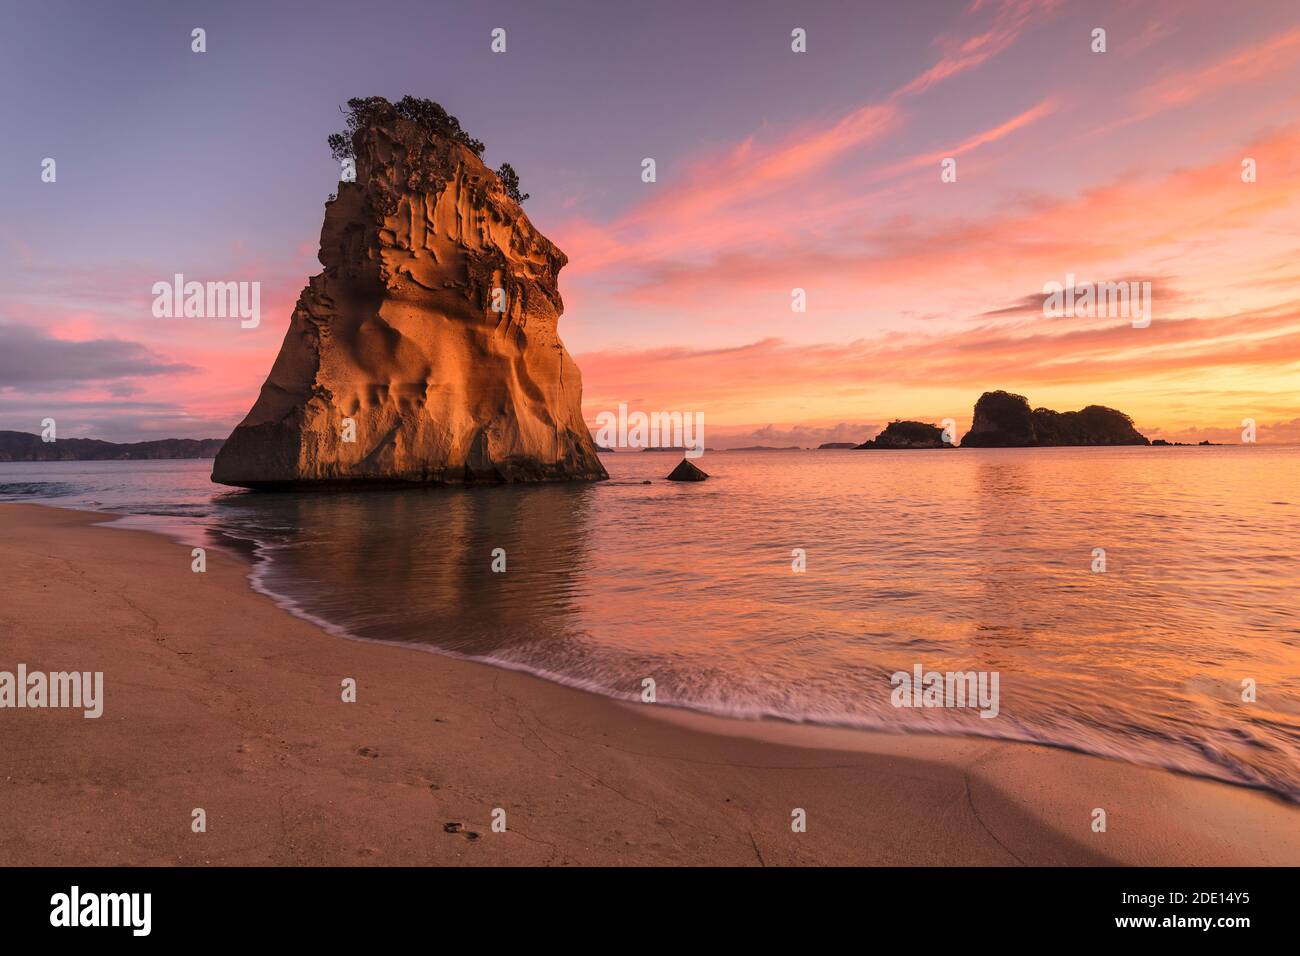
x=366, y=111
x=510, y=181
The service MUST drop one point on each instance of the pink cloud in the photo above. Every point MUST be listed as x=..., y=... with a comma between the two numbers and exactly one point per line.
x=965, y=53
x=1240, y=68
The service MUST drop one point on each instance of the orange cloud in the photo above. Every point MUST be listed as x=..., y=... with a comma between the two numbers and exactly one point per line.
x=1204, y=218
x=982, y=138
x=750, y=170
x=723, y=196
x=938, y=376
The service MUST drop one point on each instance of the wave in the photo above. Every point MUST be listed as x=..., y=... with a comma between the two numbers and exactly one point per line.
x=1222, y=766
x=15, y=490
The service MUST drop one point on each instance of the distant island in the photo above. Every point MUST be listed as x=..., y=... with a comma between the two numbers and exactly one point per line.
x=908, y=435
x=835, y=444
x=1004, y=420
x=21, y=446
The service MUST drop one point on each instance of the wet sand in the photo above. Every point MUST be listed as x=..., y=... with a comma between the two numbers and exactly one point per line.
x=217, y=699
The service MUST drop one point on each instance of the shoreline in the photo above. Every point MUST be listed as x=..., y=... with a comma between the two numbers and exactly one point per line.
x=818, y=733
x=765, y=726
x=215, y=697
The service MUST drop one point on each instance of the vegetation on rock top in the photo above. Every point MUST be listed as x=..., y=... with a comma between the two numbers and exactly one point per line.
x=366, y=111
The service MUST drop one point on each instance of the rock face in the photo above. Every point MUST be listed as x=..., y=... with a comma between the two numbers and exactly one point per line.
x=908, y=435
x=1004, y=420
x=687, y=471
x=429, y=339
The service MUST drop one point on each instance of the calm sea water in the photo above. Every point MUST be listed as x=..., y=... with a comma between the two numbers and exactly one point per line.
x=955, y=560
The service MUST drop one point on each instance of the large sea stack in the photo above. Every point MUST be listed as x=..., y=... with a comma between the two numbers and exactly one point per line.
x=427, y=350
x=1004, y=420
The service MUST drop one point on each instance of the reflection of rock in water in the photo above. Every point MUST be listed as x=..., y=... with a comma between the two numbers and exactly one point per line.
x=418, y=565
x=1011, y=581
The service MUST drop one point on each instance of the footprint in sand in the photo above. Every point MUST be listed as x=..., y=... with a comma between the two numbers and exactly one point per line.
x=368, y=752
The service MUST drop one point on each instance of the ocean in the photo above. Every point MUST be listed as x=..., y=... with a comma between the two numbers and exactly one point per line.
x=978, y=560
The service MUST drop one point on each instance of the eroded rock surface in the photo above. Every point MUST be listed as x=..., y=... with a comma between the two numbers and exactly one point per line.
x=399, y=345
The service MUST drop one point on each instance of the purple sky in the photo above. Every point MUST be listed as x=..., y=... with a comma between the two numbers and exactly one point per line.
x=215, y=165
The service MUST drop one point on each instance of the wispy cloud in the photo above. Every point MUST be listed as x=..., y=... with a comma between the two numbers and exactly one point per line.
x=962, y=53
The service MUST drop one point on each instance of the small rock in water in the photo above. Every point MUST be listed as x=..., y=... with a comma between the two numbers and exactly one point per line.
x=686, y=471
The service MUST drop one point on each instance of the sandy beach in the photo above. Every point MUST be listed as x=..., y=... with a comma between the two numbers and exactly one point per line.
x=215, y=698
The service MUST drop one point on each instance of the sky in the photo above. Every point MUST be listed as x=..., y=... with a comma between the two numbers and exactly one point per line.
x=776, y=170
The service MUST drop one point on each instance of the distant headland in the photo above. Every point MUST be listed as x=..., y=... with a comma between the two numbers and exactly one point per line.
x=22, y=446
